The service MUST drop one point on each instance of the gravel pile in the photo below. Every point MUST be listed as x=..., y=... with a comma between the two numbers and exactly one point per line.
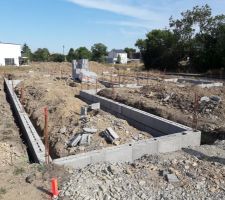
x=188, y=174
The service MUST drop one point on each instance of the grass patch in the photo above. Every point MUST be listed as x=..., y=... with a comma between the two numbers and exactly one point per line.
x=42, y=168
x=2, y=191
x=18, y=171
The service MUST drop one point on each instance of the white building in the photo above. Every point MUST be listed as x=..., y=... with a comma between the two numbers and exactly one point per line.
x=9, y=54
x=114, y=54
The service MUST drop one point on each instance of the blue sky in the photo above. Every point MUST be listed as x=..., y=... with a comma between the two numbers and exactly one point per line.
x=75, y=23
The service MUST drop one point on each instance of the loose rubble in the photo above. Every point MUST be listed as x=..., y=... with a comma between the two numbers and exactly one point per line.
x=188, y=174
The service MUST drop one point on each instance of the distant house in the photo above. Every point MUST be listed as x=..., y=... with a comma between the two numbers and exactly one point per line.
x=116, y=56
x=10, y=54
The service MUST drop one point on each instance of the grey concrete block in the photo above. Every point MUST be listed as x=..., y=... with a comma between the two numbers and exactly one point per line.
x=169, y=143
x=122, y=153
x=190, y=138
x=98, y=156
x=146, y=147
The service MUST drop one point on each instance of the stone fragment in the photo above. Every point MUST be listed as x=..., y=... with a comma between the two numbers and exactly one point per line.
x=62, y=130
x=74, y=141
x=30, y=178
x=90, y=130
x=94, y=106
x=172, y=178
x=85, y=139
x=84, y=110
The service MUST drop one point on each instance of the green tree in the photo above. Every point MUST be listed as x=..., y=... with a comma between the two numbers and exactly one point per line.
x=56, y=57
x=41, y=55
x=196, y=41
x=196, y=34
x=118, y=59
x=71, y=55
x=158, y=49
x=26, y=51
x=130, y=52
x=82, y=53
x=99, y=52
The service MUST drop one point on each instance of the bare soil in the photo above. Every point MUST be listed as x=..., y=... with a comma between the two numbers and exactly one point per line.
x=177, y=103
x=64, y=111
x=46, y=88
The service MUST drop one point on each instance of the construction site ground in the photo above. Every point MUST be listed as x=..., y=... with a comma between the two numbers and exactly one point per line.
x=16, y=171
x=196, y=173
x=177, y=102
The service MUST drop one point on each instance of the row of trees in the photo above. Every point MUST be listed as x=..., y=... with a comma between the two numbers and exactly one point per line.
x=98, y=53
x=196, y=42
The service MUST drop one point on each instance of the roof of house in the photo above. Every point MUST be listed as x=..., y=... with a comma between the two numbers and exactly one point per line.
x=118, y=51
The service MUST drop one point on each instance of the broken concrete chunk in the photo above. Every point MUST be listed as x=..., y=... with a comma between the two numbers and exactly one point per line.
x=90, y=130
x=85, y=139
x=172, y=178
x=94, y=106
x=84, y=110
x=215, y=98
x=74, y=141
x=110, y=135
x=62, y=130
x=206, y=99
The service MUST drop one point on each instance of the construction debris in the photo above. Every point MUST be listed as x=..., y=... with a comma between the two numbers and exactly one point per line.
x=172, y=178
x=94, y=106
x=85, y=139
x=75, y=140
x=83, y=110
x=110, y=135
x=90, y=130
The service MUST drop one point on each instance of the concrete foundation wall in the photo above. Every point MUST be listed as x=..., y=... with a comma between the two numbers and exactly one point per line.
x=157, y=126
x=200, y=83
x=123, y=153
x=34, y=142
x=133, y=151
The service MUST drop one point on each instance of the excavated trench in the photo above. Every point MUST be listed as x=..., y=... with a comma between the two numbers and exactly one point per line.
x=23, y=139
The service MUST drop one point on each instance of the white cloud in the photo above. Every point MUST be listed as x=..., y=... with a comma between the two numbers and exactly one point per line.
x=133, y=24
x=117, y=7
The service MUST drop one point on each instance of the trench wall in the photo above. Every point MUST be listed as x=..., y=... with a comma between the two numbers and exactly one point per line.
x=33, y=140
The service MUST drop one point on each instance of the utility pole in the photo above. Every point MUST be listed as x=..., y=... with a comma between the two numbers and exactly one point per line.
x=64, y=53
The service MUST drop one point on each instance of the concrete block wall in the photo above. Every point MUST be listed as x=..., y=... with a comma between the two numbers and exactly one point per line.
x=133, y=151
x=34, y=142
x=157, y=126
x=122, y=153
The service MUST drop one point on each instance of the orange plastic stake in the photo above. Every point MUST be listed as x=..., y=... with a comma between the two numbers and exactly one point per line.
x=55, y=191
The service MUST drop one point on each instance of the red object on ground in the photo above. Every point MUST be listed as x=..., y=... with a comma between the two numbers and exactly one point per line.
x=55, y=191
